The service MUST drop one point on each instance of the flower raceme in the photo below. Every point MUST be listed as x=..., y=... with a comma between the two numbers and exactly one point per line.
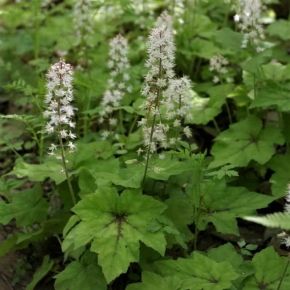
x=60, y=112
x=218, y=65
x=160, y=64
x=118, y=86
x=248, y=18
x=82, y=18
x=178, y=99
x=178, y=11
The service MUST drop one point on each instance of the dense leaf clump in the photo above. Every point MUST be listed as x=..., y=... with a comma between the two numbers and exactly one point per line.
x=144, y=144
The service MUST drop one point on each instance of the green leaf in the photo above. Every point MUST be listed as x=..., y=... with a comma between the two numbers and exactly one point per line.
x=225, y=222
x=114, y=225
x=181, y=218
x=39, y=172
x=269, y=268
x=79, y=276
x=87, y=182
x=5, y=213
x=152, y=281
x=225, y=203
x=199, y=272
x=280, y=179
x=130, y=177
x=48, y=228
x=109, y=171
x=210, y=109
x=280, y=28
x=275, y=71
x=162, y=169
x=229, y=40
x=204, y=48
x=26, y=207
x=275, y=220
x=253, y=64
x=7, y=245
x=245, y=141
x=227, y=253
x=87, y=153
x=273, y=96
x=40, y=273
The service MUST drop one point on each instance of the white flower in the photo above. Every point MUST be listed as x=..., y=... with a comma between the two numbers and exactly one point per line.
x=172, y=141
x=45, y=3
x=63, y=134
x=218, y=65
x=105, y=134
x=160, y=60
x=71, y=146
x=237, y=18
x=160, y=64
x=113, y=121
x=52, y=148
x=248, y=17
x=82, y=18
x=72, y=135
x=215, y=79
x=178, y=99
x=178, y=11
x=59, y=111
x=285, y=240
x=118, y=65
x=176, y=123
x=140, y=151
x=187, y=132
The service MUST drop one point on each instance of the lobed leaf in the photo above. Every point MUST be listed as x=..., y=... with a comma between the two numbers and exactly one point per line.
x=245, y=141
x=114, y=225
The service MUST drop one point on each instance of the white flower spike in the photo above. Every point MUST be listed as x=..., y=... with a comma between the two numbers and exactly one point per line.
x=60, y=112
x=118, y=86
x=248, y=18
x=160, y=64
x=82, y=18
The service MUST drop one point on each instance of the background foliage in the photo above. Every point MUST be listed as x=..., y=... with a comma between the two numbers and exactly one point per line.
x=181, y=228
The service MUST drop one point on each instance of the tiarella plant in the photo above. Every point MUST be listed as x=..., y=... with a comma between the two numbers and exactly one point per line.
x=175, y=181
x=60, y=113
x=160, y=65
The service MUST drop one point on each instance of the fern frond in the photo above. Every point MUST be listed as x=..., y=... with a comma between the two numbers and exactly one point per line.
x=275, y=220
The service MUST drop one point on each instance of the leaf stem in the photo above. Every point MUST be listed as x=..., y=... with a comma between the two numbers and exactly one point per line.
x=149, y=148
x=216, y=125
x=133, y=125
x=255, y=86
x=66, y=170
x=197, y=201
x=63, y=159
x=121, y=120
x=156, y=106
x=229, y=112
